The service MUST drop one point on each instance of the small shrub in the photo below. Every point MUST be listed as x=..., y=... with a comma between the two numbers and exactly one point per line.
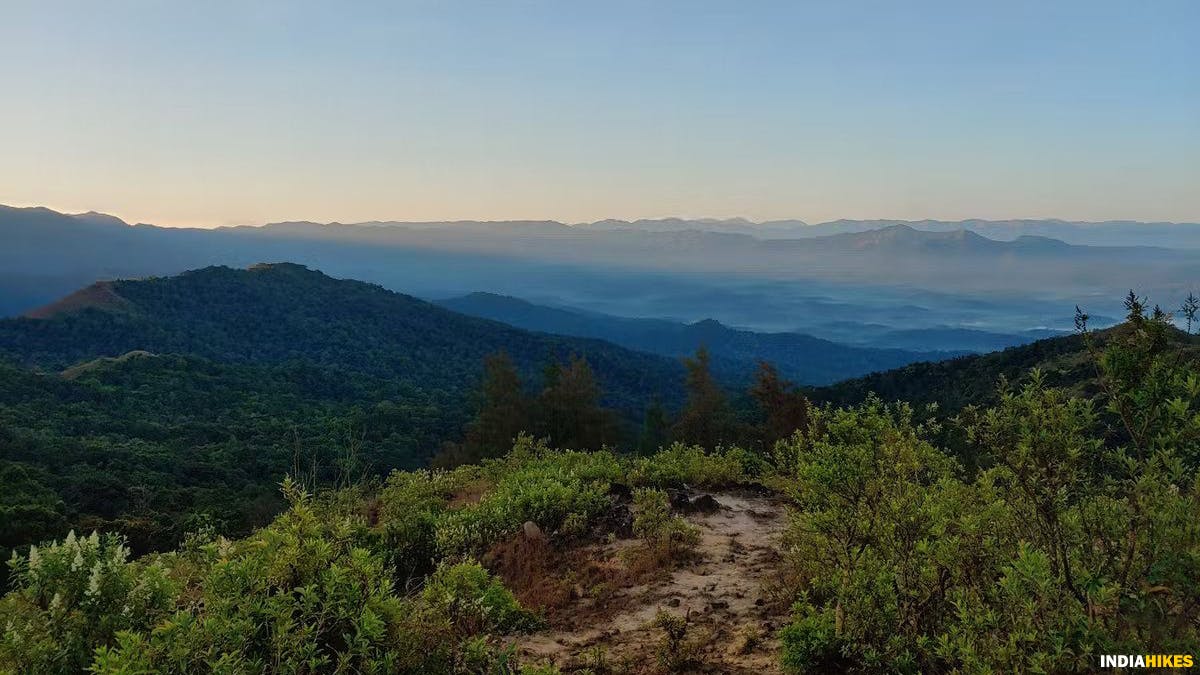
x=473, y=601
x=676, y=652
x=690, y=465
x=658, y=527
x=810, y=644
x=73, y=596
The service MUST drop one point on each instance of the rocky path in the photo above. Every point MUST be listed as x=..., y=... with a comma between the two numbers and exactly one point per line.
x=725, y=596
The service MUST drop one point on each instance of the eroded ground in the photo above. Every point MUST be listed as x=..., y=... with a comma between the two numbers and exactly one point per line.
x=601, y=607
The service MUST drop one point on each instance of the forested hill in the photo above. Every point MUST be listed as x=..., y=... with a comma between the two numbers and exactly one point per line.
x=276, y=313
x=156, y=406
x=956, y=383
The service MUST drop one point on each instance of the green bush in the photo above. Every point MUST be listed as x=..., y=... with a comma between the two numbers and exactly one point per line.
x=660, y=529
x=531, y=484
x=810, y=643
x=692, y=465
x=73, y=595
x=1079, y=537
x=473, y=602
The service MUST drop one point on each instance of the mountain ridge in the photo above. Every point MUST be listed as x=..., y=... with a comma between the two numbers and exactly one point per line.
x=769, y=285
x=276, y=312
x=804, y=358
x=735, y=225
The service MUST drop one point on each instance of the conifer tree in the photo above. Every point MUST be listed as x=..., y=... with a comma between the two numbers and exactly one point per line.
x=706, y=419
x=656, y=429
x=1191, y=305
x=782, y=407
x=503, y=410
x=568, y=409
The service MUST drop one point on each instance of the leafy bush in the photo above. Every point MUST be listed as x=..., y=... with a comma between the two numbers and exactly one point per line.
x=661, y=530
x=473, y=602
x=73, y=595
x=1079, y=538
x=692, y=465
x=531, y=484
x=810, y=642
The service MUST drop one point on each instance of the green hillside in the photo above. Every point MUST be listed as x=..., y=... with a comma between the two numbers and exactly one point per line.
x=1077, y=536
x=276, y=313
x=971, y=380
x=155, y=406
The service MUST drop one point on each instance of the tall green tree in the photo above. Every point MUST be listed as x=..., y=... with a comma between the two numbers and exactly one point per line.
x=656, y=429
x=782, y=408
x=503, y=410
x=568, y=409
x=707, y=419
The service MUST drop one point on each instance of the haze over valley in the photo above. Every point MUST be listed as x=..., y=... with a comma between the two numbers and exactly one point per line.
x=891, y=287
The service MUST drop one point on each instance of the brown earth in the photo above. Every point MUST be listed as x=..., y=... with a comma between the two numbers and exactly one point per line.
x=601, y=604
x=100, y=295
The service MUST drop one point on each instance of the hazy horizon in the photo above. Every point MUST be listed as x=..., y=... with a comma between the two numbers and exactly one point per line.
x=225, y=114
x=669, y=217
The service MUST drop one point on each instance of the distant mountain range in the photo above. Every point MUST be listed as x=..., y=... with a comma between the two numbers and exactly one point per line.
x=803, y=358
x=891, y=277
x=1105, y=233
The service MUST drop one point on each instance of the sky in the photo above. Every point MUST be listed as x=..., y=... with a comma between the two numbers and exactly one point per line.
x=216, y=113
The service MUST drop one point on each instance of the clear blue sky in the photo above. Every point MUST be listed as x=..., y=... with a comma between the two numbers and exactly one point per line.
x=210, y=113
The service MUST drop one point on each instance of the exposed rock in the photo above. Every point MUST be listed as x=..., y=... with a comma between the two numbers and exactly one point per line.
x=680, y=500
x=532, y=531
x=618, y=520
x=705, y=504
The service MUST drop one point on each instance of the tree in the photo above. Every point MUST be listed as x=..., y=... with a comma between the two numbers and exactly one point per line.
x=706, y=419
x=1191, y=305
x=503, y=410
x=656, y=429
x=568, y=408
x=783, y=408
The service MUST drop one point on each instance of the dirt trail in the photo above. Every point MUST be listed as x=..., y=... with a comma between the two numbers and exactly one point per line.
x=725, y=594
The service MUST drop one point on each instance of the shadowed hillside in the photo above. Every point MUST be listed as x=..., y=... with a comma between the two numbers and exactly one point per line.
x=803, y=358
x=972, y=380
x=276, y=313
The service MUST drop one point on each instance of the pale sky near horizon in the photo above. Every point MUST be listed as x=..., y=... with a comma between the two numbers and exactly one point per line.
x=216, y=113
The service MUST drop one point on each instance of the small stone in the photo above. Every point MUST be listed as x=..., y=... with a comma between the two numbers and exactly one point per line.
x=705, y=504
x=532, y=531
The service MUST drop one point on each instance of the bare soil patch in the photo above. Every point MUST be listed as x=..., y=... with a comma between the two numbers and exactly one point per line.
x=602, y=611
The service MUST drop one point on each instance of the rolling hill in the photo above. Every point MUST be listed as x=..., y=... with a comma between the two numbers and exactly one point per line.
x=161, y=405
x=274, y=314
x=972, y=380
x=803, y=358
